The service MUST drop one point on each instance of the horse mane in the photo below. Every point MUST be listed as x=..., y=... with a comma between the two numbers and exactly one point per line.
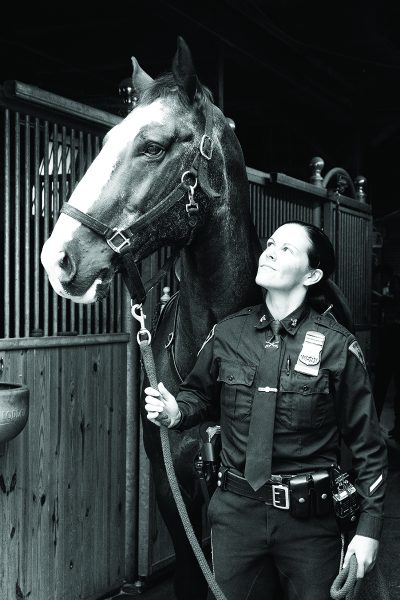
x=165, y=85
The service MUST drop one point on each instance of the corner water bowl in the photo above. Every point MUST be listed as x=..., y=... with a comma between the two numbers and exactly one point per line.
x=14, y=410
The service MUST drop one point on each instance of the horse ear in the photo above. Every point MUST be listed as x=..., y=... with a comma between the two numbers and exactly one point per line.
x=140, y=79
x=183, y=69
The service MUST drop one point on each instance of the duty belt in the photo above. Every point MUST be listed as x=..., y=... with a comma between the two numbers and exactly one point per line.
x=275, y=492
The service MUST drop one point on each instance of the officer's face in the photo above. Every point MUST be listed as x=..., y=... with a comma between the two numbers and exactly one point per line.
x=284, y=263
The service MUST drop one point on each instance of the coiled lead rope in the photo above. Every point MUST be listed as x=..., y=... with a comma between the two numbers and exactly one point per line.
x=344, y=585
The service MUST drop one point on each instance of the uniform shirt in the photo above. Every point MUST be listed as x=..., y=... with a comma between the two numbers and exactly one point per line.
x=312, y=411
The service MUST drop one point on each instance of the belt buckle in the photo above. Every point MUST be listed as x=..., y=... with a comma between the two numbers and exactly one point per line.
x=280, y=496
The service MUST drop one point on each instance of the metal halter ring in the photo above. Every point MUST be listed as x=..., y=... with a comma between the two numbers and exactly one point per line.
x=191, y=186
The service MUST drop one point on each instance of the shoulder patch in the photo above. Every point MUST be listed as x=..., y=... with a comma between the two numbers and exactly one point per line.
x=355, y=349
x=208, y=338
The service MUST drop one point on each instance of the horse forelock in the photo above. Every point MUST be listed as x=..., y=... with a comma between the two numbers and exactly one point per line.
x=165, y=85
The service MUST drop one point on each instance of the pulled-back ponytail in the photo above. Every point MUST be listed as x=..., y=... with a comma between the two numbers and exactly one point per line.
x=325, y=293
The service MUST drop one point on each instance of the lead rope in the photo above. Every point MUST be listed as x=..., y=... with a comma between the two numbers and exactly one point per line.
x=144, y=341
x=344, y=585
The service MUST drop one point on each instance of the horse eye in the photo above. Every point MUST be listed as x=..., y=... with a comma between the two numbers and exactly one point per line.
x=153, y=150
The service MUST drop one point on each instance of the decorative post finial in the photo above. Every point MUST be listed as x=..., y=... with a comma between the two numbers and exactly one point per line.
x=317, y=164
x=360, y=183
x=128, y=94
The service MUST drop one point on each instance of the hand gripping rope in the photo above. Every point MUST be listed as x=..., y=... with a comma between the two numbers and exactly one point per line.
x=144, y=341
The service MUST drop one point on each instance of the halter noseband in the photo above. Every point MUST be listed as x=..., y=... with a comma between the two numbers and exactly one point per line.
x=119, y=240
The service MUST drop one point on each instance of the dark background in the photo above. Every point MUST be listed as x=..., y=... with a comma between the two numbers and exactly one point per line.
x=299, y=78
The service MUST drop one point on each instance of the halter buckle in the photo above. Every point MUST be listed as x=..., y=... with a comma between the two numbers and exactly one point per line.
x=203, y=150
x=118, y=247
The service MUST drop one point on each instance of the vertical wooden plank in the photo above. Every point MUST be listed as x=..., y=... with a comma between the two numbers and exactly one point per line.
x=89, y=476
x=12, y=488
x=41, y=380
x=74, y=390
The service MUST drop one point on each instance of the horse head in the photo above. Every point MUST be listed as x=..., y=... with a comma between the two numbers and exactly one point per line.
x=157, y=177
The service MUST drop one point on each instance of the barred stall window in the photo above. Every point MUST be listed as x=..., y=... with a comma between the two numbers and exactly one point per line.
x=43, y=161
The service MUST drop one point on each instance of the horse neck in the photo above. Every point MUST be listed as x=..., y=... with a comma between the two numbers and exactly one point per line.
x=218, y=269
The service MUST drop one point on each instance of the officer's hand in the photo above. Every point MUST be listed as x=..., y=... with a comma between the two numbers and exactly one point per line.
x=161, y=406
x=366, y=550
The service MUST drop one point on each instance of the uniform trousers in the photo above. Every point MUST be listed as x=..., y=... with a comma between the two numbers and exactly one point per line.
x=259, y=550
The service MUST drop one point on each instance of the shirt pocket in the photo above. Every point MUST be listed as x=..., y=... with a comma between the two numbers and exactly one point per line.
x=237, y=389
x=304, y=402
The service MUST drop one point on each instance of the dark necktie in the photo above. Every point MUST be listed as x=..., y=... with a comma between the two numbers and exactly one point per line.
x=260, y=440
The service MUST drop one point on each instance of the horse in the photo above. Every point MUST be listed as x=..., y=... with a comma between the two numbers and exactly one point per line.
x=172, y=173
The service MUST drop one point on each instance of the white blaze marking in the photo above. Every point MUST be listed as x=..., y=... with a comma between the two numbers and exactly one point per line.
x=98, y=174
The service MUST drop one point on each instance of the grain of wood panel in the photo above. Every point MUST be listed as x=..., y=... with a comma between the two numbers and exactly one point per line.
x=62, y=489
x=11, y=481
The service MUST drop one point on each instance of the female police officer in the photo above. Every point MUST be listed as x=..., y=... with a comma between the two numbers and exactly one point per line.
x=290, y=382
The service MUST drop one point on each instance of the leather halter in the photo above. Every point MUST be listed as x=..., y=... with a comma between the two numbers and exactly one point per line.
x=119, y=240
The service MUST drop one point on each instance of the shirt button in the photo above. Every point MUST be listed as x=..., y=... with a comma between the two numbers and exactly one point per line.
x=231, y=378
x=305, y=388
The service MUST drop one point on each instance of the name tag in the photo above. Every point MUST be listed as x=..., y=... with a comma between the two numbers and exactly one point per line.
x=309, y=360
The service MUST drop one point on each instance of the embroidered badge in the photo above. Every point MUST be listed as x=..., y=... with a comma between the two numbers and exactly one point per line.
x=208, y=338
x=356, y=350
x=309, y=359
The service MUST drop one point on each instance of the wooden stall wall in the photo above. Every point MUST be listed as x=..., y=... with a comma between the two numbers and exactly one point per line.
x=62, y=480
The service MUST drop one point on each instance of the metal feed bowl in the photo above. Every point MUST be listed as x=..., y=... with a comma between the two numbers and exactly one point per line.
x=14, y=409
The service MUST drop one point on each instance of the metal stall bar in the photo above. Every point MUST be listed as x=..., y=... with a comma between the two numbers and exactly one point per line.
x=71, y=189
x=27, y=218
x=7, y=221
x=65, y=304
x=17, y=227
x=53, y=182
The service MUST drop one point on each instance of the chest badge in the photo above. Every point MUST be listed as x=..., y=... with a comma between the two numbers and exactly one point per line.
x=309, y=359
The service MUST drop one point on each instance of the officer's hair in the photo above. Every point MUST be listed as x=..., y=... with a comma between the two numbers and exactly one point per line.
x=325, y=293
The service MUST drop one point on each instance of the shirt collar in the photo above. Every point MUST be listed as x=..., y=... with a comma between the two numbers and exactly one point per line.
x=290, y=323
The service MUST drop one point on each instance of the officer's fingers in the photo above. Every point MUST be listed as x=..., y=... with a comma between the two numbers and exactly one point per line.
x=152, y=417
x=151, y=391
x=154, y=403
x=360, y=570
x=347, y=557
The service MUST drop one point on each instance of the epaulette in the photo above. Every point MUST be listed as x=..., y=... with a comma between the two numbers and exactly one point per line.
x=330, y=322
x=240, y=313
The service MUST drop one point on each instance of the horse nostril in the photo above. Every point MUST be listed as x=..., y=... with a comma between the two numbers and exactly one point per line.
x=67, y=267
